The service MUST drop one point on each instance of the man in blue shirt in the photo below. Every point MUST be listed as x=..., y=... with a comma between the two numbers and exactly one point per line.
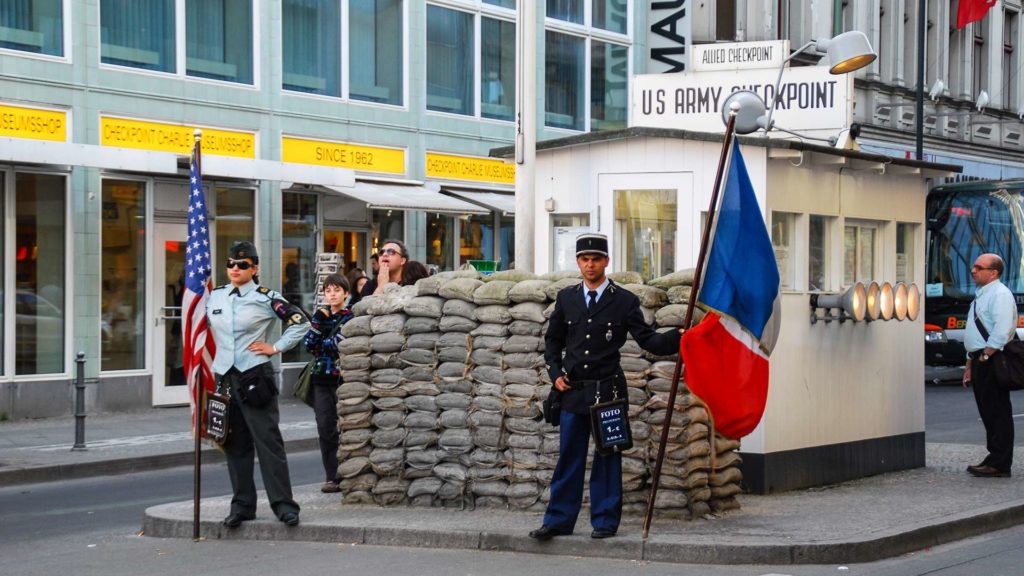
x=996, y=309
x=241, y=315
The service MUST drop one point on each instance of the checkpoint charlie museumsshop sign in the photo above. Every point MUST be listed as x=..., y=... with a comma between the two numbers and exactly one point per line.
x=810, y=98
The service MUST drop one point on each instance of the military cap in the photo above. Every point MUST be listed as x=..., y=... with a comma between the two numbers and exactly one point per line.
x=243, y=250
x=592, y=244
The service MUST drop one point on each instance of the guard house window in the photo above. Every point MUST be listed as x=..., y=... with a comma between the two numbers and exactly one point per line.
x=449, y=60
x=311, y=46
x=298, y=255
x=218, y=40
x=138, y=33
x=564, y=230
x=905, y=252
x=609, y=15
x=564, y=80
x=725, y=20
x=440, y=241
x=498, y=69
x=1010, y=60
x=609, y=85
x=818, y=250
x=859, y=245
x=39, y=268
x=234, y=216
x=32, y=26
x=568, y=10
x=784, y=242
x=123, y=277
x=645, y=231
x=376, y=36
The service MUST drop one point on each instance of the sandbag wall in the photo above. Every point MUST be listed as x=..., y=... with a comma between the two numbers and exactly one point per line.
x=442, y=393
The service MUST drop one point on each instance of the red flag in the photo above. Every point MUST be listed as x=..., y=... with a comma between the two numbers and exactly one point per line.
x=972, y=11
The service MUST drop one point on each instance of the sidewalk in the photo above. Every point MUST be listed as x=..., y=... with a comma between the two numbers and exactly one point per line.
x=40, y=450
x=858, y=521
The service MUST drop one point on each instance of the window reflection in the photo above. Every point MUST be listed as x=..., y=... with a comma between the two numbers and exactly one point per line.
x=123, y=281
x=298, y=255
x=645, y=231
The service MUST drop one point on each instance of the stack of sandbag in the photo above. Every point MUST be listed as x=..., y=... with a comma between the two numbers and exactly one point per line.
x=355, y=410
x=725, y=479
x=418, y=381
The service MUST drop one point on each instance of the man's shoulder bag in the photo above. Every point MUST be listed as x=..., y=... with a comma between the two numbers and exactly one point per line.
x=1008, y=365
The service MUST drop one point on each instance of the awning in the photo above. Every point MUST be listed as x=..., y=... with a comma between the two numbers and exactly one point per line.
x=407, y=197
x=502, y=203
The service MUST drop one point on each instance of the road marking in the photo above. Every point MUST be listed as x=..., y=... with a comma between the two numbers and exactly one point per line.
x=151, y=439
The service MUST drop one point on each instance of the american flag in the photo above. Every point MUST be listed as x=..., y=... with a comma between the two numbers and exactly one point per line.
x=199, y=347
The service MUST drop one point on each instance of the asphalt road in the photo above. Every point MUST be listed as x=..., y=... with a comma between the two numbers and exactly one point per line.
x=951, y=416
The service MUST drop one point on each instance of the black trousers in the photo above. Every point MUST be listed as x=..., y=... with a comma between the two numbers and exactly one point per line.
x=996, y=413
x=252, y=431
x=325, y=407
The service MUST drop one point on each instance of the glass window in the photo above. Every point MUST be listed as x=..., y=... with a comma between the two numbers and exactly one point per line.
x=311, y=46
x=818, y=254
x=498, y=68
x=859, y=253
x=298, y=256
x=645, y=231
x=783, y=240
x=609, y=15
x=563, y=81
x=39, y=269
x=219, y=39
x=350, y=245
x=375, y=41
x=507, y=251
x=387, y=225
x=564, y=230
x=440, y=232
x=503, y=3
x=609, y=86
x=123, y=280
x=568, y=10
x=905, y=252
x=476, y=240
x=32, y=26
x=450, y=60
x=235, y=214
x=138, y=33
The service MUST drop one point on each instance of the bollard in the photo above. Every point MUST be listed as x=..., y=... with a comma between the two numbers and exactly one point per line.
x=80, y=403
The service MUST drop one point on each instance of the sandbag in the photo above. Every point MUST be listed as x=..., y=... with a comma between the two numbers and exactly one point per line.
x=358, y=326
x=459, y=308
x=425, y=306
x=626, y=277
x=494, y=314
x=459, y=289
x=494, y=292
x=531, y=311
x=529, y=291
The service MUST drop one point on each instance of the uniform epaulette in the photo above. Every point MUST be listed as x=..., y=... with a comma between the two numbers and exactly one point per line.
x=263, y=290
x=220, y=287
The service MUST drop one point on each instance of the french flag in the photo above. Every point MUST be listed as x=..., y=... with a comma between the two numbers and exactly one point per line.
x=726, y=355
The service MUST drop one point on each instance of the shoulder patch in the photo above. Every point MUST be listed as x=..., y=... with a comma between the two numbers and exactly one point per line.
x=263, y=290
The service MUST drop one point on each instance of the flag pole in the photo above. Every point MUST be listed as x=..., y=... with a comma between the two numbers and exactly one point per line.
x=200, y=393
x=730, y=130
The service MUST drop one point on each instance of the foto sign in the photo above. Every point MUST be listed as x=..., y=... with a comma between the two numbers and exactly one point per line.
x=811, y=98
x=739, y=55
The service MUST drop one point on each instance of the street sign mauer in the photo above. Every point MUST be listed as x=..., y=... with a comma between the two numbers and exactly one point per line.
x=669, y=35
x=810, y=99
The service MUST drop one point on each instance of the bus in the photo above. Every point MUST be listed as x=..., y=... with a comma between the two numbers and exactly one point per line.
x=966, y=220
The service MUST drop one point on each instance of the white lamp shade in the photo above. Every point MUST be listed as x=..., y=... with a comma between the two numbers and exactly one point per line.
x=874, y=304
x=900, y=301
x=849, y=51
x=913, y=302
x=885, y=301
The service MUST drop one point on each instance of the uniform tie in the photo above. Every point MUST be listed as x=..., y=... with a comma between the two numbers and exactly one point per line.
x=235, y=292
x=591, y=299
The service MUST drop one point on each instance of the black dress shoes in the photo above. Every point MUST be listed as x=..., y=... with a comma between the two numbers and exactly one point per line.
x=547, y=533
x=290, y=518
x=601, y=534
x=988, y=472
x=234, y=520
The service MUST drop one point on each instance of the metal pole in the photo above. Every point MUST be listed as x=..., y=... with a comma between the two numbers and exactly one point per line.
x=199, y=398
x=80, y=402
x=698, y=272
x=922, y=8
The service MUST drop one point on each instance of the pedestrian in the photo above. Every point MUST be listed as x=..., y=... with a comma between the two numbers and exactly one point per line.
x=322, y=342
x=991, y=323
x=241, y=315
x=413, y=271
x=392, y=256
x=590, y=322
x=356, y=280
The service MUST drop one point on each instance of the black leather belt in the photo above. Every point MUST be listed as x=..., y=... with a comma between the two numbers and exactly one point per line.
x=580, y=384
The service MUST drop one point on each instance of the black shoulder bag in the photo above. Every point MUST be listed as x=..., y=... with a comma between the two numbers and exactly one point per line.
x=610, y=424
x=1008, y=365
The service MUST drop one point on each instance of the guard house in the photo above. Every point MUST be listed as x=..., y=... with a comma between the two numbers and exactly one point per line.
x=846, y=399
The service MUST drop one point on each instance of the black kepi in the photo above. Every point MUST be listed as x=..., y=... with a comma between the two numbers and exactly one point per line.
x=592, y=244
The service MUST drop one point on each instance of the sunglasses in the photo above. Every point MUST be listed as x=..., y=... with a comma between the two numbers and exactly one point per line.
x=389, y=252
x=240, y=264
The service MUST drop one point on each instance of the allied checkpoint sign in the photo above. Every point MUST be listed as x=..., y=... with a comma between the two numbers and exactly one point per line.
x=813, y=101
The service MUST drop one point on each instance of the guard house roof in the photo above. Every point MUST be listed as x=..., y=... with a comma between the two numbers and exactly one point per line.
x=777, y=148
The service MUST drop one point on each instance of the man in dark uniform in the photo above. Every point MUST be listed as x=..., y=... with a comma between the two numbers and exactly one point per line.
x=589, y=323
x=240, y=315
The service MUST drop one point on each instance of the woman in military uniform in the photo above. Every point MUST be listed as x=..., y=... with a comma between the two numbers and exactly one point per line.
x=241, y=315
x=589, y=324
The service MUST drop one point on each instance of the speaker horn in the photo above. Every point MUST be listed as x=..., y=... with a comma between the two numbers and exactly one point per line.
x=874, y=304
x=886, y=301
x=853, y=302
x=913, y=302
x=900, y=301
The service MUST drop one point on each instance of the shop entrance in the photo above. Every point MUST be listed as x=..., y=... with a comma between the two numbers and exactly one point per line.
x=168, y=287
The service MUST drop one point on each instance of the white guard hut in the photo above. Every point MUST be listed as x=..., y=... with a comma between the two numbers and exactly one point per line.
x=846, y=399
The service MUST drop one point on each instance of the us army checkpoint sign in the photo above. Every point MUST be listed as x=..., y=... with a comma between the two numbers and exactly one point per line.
x=812, y=100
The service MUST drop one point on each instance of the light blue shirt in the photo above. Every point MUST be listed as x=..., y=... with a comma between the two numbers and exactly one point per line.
x=239, y=318
x=600, y=291
x=997, y=309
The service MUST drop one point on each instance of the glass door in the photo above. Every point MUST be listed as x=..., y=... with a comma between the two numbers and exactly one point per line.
x=168, y=285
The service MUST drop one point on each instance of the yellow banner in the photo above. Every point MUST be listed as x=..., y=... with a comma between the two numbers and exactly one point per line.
x=447, y=166
x=17, y=122
x=174, y=138
x=336, y=155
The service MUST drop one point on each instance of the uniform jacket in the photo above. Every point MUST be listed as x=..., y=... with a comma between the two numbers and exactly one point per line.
x=591, y=340
x=239, y=317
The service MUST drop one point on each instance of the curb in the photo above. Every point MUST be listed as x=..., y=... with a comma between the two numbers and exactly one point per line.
x=159, y=523
x=57, y=472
